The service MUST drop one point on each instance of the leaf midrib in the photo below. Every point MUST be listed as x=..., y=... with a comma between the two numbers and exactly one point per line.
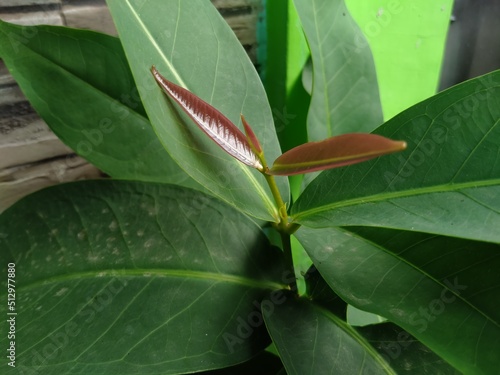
x=155, y=272
x=258, y=188
x=356, y=336
x=417, y=268
x=442, y=188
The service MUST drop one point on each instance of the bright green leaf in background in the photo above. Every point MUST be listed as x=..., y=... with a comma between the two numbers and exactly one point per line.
x=215, y=67
x=126, y=278
x=447, y=181
x=80, y=84
x=442, y=290
x=345, y=96
x=407, y=40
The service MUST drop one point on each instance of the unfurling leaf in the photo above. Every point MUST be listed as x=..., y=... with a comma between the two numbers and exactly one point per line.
x=252, y=139
x=211, y=121
x=334, y=152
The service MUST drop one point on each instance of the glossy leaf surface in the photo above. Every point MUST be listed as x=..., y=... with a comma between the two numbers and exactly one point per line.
x=211, y=121
x=442, y=290
x=446, y=182
x=345, y=95
x=345, y=149
x=192, y=46
x=122, y=277
x=312, y=340
x=80, y=84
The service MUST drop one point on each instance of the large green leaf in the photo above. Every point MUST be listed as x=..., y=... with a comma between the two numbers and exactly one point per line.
x=446, y=182
x=345, y=94
x=312, y=340
x=442, y=290
x=191, y=45
x=80, y=83
x=126, y=278
x=403, y=352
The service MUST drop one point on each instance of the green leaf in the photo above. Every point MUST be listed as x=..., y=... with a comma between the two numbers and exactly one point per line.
x=446, y=182
x=345, y=96
x=442, y=290
x=213, y=65
x=125, y=278
x=312, y=340
x=403, y=352
x=334, y=152
x=80, y=84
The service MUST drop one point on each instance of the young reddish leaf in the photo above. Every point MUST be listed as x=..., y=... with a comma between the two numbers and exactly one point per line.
x=251, y=137
x=211, y=121
x=334, y=152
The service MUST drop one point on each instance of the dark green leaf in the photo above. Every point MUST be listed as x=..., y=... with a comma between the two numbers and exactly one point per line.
x=442, y=290
x=446, y=182
x=403, y=352
x=212, y=64
x=345, y=95
x=320, y=292
x=312, y=340
x=263, y=364
x=126, y=278
x=80, y=83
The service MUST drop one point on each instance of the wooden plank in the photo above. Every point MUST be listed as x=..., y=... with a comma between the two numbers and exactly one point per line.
x=19, y=3
x=88, y=15
x=46, y=13
x=11, y=94
x=220, y=4
x=245, y=28
x=25, y=138
x=20, y=181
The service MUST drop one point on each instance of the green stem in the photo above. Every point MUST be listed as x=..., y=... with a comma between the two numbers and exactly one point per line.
x=274, y=189
x=287, y=250
x=283, y=226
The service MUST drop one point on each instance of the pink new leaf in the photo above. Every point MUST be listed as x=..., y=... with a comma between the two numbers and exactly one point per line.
x=251, y=137
x=334, y=152
x=217, y=126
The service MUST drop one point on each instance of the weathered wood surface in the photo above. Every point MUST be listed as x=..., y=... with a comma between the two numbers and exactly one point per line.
x=31, y=156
